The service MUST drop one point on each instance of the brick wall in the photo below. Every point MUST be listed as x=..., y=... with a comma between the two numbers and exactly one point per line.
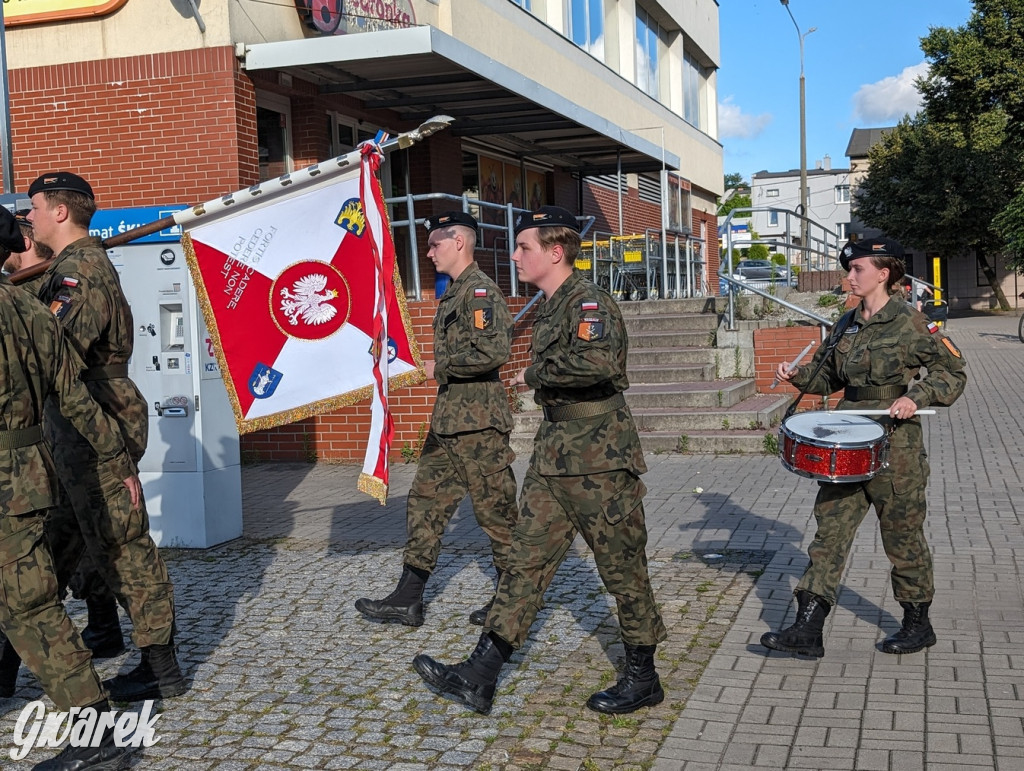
x=340, y=436
x=144, y=131
x=776, y=344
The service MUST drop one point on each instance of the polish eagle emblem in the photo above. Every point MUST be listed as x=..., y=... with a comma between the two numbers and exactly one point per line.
x=308, y=300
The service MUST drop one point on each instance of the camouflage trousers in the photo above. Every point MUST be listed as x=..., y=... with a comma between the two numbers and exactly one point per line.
x=607, y=509
x=898, y=495
x=94, y=513
x=477, y=463
x=34, y=620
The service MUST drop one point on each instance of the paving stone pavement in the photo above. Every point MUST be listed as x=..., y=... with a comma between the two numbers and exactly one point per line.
x=285, y=674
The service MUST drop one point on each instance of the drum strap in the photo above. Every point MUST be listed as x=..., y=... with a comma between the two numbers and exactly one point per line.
x=830, y=346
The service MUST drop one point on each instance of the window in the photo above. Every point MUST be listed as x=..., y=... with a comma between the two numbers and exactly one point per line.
x=649, y=42
x=524, y=4
x=773, y=219
x=842, y=193
x=586, y=26
x=843, y=231
x=694, y=92
x=772, y=192
x=273, y=135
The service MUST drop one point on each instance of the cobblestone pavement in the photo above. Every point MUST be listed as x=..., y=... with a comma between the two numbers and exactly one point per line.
x=285, y=674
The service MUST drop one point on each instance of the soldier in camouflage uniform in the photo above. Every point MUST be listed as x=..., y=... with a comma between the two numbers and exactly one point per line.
x=34, y=254
x=83, y=291
x=584, y=477
x=38, y=364
x=467, y=448
x=877, y=361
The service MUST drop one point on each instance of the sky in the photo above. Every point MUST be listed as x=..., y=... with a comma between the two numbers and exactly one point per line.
x=859, y=68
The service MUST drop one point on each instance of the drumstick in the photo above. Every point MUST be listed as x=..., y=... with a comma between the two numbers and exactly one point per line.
x=875, y=412
x=792, y=367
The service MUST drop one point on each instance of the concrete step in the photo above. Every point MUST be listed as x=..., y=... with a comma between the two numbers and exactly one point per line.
x=670, y=373
x=679, y=322
x=758, y=412
x=706, y=442
x=673, y=339
x=711, y=393
x=670, y=356
x=660, y=307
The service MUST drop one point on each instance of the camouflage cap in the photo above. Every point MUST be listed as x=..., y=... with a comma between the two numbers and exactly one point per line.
x=546, y=216
x=882, y=247
x=449, y=218
x=60, y=180
x=11, y=238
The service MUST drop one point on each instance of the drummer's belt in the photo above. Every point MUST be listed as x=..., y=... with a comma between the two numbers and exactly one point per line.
x=105, y=372
x=872, y=393
x=20, y=437
x=584, y=409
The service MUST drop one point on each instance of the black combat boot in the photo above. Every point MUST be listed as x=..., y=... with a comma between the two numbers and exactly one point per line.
x=479, y=616
x=638, y=686
x=916, y=634
x=106, y=756
x=102, y=635
x=158, y=676
x=805, y=636
x=404, y=605
x=10, y=663
x=472, y=681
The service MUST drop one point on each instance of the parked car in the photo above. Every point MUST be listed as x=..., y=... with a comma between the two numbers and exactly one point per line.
x=762, y=269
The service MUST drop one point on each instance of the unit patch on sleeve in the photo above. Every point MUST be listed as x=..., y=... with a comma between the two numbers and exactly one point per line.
x=952, y=348
x=60, y=305
x=482, y=317
x=590, y=329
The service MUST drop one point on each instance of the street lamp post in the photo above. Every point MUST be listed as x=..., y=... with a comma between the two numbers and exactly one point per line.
x=803, y=131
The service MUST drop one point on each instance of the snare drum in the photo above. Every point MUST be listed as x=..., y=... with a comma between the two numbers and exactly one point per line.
x=833, y=447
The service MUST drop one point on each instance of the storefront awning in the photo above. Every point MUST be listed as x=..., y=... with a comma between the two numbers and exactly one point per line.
x=420, y=72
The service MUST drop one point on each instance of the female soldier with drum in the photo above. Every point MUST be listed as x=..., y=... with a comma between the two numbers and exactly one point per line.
x=877, y=362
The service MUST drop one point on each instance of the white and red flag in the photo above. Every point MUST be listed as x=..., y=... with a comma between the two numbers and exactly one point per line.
x=305, y=306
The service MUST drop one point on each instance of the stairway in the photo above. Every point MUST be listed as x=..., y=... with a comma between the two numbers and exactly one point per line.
x=686, y=395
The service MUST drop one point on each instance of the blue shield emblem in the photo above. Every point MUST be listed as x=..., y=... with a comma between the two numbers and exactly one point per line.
x=264, y=381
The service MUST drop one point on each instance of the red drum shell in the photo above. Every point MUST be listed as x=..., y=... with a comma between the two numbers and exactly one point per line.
x=833, y=447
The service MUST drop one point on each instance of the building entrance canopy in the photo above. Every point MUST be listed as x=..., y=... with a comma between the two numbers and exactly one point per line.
x=420, y=72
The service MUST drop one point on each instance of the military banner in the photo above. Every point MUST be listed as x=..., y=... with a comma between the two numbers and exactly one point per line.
x=305, y=307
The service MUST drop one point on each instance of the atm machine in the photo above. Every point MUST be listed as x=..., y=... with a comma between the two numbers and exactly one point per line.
x=191, y=472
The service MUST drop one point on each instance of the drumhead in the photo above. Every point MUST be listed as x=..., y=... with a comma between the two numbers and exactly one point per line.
x=833, y=428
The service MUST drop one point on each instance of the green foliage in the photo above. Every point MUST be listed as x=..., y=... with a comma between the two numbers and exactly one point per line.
x=735, y=179
x=828, y=300
x=759, y=252
x=738, y=201
x=771, y=443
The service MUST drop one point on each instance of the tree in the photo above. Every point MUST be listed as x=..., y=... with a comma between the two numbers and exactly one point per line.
x=735, y=179
x=946, y=179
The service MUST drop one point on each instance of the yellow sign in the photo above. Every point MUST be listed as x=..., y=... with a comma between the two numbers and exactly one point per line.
x=36, y=11
x=633, y=256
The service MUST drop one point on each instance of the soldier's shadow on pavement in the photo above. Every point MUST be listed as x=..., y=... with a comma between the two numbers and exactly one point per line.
x=727, y=527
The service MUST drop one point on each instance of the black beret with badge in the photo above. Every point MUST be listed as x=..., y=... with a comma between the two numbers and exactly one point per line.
x=881, y=247
x=11, y=238
x=546, y=216
x=449, y=218
x=60, y=180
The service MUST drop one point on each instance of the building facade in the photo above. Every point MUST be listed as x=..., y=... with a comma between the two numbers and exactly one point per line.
x=594, y=105
x=828, y=201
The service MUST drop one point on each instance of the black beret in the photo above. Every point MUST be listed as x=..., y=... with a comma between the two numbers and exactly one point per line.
x=10, y=233
x=449, y=218
x=21, y=216
x=546, y=216
x=60, y=180
x=882, y=247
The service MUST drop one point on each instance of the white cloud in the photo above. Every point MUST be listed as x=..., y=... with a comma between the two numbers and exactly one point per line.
x=890, y=98
x=733, y=123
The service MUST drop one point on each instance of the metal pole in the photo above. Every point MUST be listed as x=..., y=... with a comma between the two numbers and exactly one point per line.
x=803, y=130
x=5, y=112
x=664, y=217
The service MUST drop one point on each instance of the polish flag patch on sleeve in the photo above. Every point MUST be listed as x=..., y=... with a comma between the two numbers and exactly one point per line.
x=588, y=306
x=69, y=281
x=480, y=293
x=933, y=327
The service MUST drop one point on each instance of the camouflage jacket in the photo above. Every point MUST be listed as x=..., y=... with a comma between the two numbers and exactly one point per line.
x=36, y=361
x=82, y=289
x=890, y=349
x=472, y=339
x=579, y=354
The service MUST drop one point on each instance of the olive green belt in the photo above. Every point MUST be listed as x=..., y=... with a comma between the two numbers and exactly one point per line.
x=868, y=393
x=584, y=409
x=21, y=437
x=105, y=372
